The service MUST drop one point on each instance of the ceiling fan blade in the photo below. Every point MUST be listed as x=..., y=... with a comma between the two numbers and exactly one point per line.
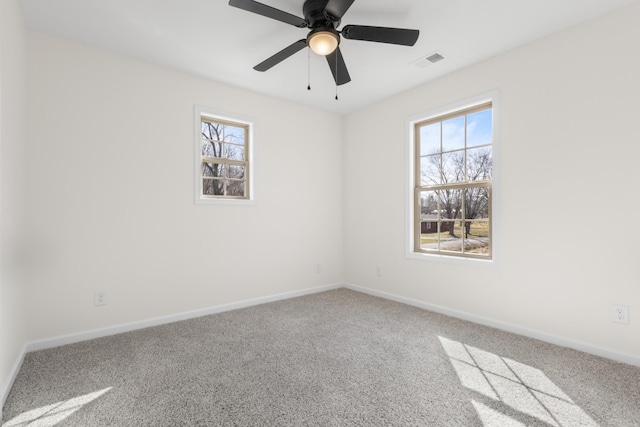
x=281, y=56
x=400, y=36
x=269, y=12
x=338, y=67
x=337, y=8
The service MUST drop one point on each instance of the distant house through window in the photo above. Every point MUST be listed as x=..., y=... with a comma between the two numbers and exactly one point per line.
x=223, y=153
x=452, y=197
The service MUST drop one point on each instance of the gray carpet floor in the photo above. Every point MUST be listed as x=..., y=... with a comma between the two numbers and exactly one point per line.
x=337, y=358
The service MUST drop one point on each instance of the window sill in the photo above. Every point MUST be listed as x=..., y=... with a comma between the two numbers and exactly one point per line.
x=487, y=263
x=228, y=202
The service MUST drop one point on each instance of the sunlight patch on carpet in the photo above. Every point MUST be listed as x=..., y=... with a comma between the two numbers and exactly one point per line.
x=50, y=415
x=517, y=385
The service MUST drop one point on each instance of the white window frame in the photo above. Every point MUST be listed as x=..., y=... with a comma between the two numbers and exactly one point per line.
x=199, y=113
x=410, y=157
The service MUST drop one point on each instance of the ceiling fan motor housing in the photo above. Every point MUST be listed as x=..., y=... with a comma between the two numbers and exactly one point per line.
x=314, y=14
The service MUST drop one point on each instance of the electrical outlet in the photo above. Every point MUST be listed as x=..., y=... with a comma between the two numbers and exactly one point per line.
x=378, y=272
x=318, y=268
x=621, y=313
x=100, y=298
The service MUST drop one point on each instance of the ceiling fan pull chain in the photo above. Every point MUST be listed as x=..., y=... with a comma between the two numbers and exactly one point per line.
x=308, y=69
x=336, y=76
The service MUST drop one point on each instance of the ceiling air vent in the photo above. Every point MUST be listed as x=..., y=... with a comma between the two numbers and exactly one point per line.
x=429, y=59
x=435, y=58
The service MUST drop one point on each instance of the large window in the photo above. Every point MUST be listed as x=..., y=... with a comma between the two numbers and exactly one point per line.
x=223, y=159
x=452, y=183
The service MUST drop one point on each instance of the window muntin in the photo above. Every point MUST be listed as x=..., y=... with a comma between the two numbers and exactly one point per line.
x=452, y=183
x=224, y=159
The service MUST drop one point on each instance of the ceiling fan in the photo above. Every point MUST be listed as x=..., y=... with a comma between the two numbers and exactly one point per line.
x=323, y=18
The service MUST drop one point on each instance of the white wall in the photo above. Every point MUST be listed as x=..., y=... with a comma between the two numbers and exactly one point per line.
x=12, y=139
x=111, y=188
x=568, y=157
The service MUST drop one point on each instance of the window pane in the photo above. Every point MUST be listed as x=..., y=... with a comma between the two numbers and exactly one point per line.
x=477, y=237
x=478, y=229
x=453, y=134
x=213, y=169
x=211, y=149
x=476, y=203
x=429, y=206
x=235, y=188
x=430, y=139
x=453, y=167
x=212, y=187
x=212, y=131
x=234, y=134
x=235, y=171
x=450, y=203
x=206, y=132
x=430, y=170
x=479, y=128
x=479, y=164
x=234, y=152
x=429, y=238
x=452, y=239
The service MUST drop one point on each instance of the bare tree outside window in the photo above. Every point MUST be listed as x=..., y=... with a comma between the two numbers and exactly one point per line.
x=453, y=183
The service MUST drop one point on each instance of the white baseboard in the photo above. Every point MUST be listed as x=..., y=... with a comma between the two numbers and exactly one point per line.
x=127, y=327
x=531, y=333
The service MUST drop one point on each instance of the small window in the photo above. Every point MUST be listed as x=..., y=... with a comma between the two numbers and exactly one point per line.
x=452, y=183
x=223, y=159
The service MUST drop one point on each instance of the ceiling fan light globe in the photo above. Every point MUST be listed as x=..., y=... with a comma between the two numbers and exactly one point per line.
x=323, y=42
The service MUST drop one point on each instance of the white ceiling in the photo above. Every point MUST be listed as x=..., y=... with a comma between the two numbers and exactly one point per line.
x=211, y=39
